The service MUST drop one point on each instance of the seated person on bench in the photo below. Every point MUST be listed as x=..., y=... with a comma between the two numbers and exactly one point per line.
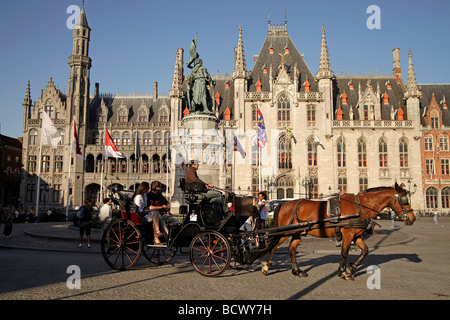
x=140, y=199
x=214, y=196
x=156, y=201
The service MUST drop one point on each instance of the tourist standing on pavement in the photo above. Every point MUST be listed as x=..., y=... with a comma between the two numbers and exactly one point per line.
x=7, y=218
x=435, y=214
x=393, y=219
x=85, y=224
x=105, y=215
x=262, y=208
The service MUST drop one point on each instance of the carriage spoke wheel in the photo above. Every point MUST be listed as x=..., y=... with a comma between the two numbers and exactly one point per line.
x=121, y=245
x=160, y=256
x=210, y=253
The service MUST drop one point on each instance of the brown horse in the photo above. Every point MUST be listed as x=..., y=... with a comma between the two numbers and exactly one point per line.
x=364, y=206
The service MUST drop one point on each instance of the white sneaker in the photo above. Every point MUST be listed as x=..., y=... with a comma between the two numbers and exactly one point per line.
x=89, y=245
x=80, y=245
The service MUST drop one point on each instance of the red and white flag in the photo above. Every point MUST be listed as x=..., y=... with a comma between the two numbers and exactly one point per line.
x=110, y=148
x=75, y=144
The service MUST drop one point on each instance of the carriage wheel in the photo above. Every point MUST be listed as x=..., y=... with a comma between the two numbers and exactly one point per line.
x=210, y=253
x=160, y=256
x=121, y=245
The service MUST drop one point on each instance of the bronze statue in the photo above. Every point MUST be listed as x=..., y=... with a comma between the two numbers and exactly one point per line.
x=198, y=94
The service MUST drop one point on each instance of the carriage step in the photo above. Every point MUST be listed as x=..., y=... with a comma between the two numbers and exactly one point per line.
x=157, y=246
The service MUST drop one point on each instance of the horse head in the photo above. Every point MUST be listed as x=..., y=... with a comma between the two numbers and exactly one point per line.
x=401, y=205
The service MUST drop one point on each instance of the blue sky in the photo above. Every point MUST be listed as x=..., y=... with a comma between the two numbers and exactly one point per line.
x=133, y=43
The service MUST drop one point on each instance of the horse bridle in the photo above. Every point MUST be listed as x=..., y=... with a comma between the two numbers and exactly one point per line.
x=403, y=201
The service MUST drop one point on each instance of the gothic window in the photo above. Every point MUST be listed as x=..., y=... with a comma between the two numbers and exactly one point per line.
x=431, y=197
x=165, y=164
x=122, y=114
x=95, y=138
x=61, y=141
x=126, y=138
x=166, y=138
x=163, y=115
x=445, y=198
x=156, y=164
x=285, y=152
x=116, y=138
x=58, y=164
x=429, y=166
x=342, y=184
x=144, y=163
x=143, y=115
x=445, y=166
x=284, y=111
x=147, y=139
x=33, y=138
x=403, y=151
x=139, y=138
x=312, y=152
x=45, y=164
x=383, y=153
x=158, y=138
x=362, y=153
x=311, y=115
x=285, y=187
x=341, y=153
x=254, y=116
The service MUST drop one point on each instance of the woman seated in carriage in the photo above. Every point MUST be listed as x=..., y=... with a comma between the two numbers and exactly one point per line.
x=149, y=214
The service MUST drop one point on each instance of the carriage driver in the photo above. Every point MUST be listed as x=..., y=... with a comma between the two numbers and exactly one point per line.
x=213, y=196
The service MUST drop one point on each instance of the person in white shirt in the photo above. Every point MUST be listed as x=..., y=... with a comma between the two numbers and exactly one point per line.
x=105, y=214
x=140, y=199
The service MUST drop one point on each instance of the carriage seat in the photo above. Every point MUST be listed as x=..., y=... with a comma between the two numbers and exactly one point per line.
x=193, y=192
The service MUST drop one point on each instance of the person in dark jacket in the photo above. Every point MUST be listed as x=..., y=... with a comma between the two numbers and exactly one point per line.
x=85, y=223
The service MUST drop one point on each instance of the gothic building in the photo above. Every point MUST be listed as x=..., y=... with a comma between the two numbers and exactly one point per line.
x=348, y=132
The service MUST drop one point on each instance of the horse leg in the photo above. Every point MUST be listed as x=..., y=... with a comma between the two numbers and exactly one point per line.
x=268, y=263
x=345, y=247
x=364, y=251
x=296, y=271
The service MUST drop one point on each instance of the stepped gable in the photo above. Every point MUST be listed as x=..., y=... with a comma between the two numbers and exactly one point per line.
x=440, y=91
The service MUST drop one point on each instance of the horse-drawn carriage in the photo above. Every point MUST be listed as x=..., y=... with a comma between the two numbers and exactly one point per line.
x=216, y=242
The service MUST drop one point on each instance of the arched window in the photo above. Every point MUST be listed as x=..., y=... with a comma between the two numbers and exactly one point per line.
x=431, y=197
x=362, y=153
x=158, y=138
x=341, y=153
x=123, y=117
x=445, y=197
x=156, y=164
x=403, y=152
x=312, y=152
x=147, y=139
x=116, y=138
x=285, y=152
x=285, y=187
x=126, y=138
x=383, y=153
x=284, y=111
x=311, y=115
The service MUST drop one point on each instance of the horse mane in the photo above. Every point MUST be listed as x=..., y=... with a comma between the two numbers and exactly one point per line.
x=375, y=189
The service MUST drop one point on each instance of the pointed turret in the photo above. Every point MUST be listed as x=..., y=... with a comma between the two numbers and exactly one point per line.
x=240, y=68
x=412, y=90
x=324, y=64
x=27, y=103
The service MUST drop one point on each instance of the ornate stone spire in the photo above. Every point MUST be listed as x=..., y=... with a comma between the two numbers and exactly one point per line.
x=240, y=68
x=177, y=74
x=412, y=90
x=324, y=64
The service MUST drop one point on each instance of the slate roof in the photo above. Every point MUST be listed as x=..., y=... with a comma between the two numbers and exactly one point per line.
x=395, y=93
x=278, y=42
x=439, y=90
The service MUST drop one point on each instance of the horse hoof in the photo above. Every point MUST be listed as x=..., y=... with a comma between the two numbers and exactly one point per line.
x=299, y=273
x=345, y=275
x=264, y=272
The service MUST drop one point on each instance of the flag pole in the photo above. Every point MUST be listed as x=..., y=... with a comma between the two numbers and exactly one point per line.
x=39, y=179
x=136, y=161
x=103, y=161
x=68, y=181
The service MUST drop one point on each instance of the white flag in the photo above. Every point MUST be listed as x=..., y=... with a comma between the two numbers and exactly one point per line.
x=49, y=135
x=317, y=140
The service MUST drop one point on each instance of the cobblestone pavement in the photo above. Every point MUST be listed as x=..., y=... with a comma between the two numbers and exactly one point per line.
x=413, y=263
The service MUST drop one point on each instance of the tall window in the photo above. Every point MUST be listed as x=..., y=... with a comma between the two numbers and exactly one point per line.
x=362, y=153
x=285, y=187
x=284, y=111
x=445, y=166
x=123, y=115
x=126, y=138
x=363, y=183
x=342, y=184
x=163, y=117
x=341, y=153
x=147, y=140
x=50, y=111
x=311, y=115
x=158, y=138
x=116, y=138
x=443, y=143
x=312, y=152
x=33, y=140
x=429, y=167
x=434, y=119
x=58, y=164
x=156, y=164
x=445, y=197
x=383, y=153
x=428, y=143
x=431, y=197
x=45, y=164
x=31, y=164
x=285, y=152
x=403, y=151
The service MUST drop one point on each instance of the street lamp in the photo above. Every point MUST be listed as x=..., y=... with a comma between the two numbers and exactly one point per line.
x=307, y=183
